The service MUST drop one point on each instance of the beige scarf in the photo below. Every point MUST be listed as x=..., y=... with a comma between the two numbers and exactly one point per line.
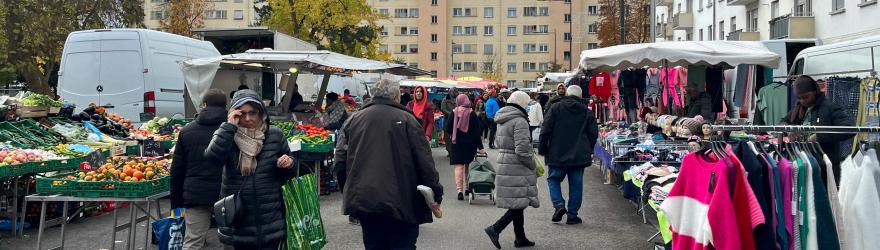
x=250, y=143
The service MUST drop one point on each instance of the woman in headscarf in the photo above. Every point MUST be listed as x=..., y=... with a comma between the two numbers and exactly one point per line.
x=254, y=155
x=423, y=110
x=464, y=130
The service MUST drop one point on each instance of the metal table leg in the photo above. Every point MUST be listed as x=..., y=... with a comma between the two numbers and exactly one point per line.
x=63, y=223
x=42, y=223
x=15, y=229
x=149, y=225
x=113, y=238
x=132, y=230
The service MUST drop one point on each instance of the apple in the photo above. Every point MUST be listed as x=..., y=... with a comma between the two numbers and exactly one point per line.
x=8, y=160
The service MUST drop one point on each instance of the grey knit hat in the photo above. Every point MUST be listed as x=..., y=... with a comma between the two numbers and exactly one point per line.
x=245, y=96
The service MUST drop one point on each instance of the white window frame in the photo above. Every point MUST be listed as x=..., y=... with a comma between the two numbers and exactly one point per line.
x=511, y=69
x=488, y=12
x=488, y=49
x=511, y=49
x=511, y=10
x=511, y=28
x=488, y=30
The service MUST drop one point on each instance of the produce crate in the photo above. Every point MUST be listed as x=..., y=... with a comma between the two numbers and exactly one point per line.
x=56, y=184
x=32, y=111
x=31, y=126
x=28, y=142
x=121, y=189
x=179, y=122
x=318, y=148
x=5, y=171
x=54, y=110
x=59, y=120
x=23, y=168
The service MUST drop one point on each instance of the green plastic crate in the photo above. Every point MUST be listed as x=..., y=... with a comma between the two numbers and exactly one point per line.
x=29, y=142
x=121, y=189
x=318, y=148
x=56, y=184
x=5, y=171
x=167, y=145
x=28, y=125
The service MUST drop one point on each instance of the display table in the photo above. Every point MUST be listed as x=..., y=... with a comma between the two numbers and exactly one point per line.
x=132, y=224
x=315, y=161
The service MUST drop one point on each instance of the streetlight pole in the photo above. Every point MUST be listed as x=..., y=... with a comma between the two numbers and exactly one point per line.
x=653, y=20
x=452, y=63
x=622, y=24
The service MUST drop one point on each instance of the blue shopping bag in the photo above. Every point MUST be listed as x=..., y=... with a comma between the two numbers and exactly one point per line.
x=170, y=231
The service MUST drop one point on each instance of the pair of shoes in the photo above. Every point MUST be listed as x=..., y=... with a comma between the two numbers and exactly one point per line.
x=460, y=196
x=493, y=236
x=557, y=216
x=354, y=221
x=573, y=220
x=523, y=243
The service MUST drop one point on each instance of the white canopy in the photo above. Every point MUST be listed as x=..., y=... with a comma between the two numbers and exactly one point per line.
x=727, y=54
x=199, y=73
x=558, y=76
x=427, y=84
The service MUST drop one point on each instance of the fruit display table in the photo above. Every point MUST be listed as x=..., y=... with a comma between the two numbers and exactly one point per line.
x=134, y=217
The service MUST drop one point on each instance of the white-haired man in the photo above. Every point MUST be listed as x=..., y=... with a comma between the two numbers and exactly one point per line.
x=567, y=138
x=383, y=154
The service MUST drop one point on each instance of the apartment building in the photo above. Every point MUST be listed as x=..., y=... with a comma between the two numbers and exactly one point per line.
x=826, y=21
x=222, y=13
x=457, y=38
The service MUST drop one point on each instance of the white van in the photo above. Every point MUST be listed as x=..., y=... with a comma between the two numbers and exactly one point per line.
x=135, y=71
x=859, y=58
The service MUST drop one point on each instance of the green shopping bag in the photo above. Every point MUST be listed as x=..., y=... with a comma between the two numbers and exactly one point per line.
x=305, y=229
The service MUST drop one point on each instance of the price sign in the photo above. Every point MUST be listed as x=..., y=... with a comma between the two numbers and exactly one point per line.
x=96, y=158
x=118, y=150
x=153, y=148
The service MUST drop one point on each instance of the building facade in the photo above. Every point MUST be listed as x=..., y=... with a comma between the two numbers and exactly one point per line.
x=221, y=14
x=826, y=21
x=519, y=38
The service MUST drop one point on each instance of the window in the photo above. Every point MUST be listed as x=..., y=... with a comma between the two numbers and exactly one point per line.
x=733, y=24
x=566, y=36
x=239, y=1
x=464, y=48
x=534, y=47
x=530, y=11
x=593, y=10
x=536, y=29
x=470, y=12
x=530, y=67
x=469, y=67
x=805, y=8
x=511, y=68
x=238, y=15
x=433, y=73
x=463, y=12
x=434, y=2
x=701, y=34
x=511, y=12
x=709, y=3
x=543, y=66
x=457, y=30
x=543, y=47
x=470, y=30
x=384, y=31
x=511, y=48
x=401, y=13
x=593, y=28
x=488, y=12
x=433, y=56
x=544, y=11
x=434, y=37
x=774, y=9
x=487, y=67
x=488, y=30
x=456, y=66
x=566, y=55
x=699, y=5
x=752, y=17
x=408, y=31
x=567, y=17
x=457, y=12
x=407, y=49
x=414, y=12
x=511, y=83
x=711, y=32
x=721, y=33
x=529, y=83
x=215, y=14
x=434, y=19
x=383, y=12
x=592, y=46
x=488, y=49
x=157, y=15
x=511, y=30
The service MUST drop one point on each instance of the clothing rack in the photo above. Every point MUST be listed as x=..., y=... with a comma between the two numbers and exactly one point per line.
x=789, y=128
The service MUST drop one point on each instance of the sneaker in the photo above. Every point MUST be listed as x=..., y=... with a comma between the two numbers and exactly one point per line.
x=557, y=216
x=460, y=196
x=354, y=221
x=574, y=221
x=523, y=243
x=493, y=236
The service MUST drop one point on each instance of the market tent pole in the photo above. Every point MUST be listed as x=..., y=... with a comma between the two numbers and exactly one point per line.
x=322, y=92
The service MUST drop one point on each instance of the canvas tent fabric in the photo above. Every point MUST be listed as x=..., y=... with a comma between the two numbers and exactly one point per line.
x=199, y=73
x=726, y=54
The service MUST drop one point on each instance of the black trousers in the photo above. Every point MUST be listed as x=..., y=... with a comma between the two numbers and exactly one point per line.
x=515, y=216
x=484, y=122
x=493, y=127
x=385, y=233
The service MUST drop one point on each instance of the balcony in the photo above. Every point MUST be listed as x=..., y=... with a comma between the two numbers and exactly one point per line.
x=665, y=2
x=740, y=2
x=683, y=21
x=792, y=27
x=740, y=35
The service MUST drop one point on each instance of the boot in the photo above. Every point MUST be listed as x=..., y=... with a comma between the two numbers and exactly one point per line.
x=493, y=236
x=523, y=243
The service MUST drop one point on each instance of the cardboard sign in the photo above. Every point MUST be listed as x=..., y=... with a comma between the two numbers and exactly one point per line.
x=117, y=150
x=96, y=158
x=153, y=148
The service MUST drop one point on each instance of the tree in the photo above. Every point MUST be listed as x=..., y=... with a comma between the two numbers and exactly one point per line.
x=34, y=32
x=554, y=67
x=344, y=26
x=495, y=70
x=637, y=22
x=182, y=16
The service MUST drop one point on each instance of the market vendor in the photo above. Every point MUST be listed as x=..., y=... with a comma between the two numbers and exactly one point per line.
x=813, y=109
x=699, y=104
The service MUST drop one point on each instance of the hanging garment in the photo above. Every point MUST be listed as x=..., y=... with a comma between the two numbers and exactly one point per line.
x=825, y=228
x=810, y=219
x=797, y=211
x=785, y=174
x=632, y=87
x=778, y=207
x=669, y=80
x=696, y=77
x=742, y=72
x=652, y=90
x=859, y=200
x=771, y=103
x=600, y=86
x=715, y=88
x=834, y=199
x=763, y=234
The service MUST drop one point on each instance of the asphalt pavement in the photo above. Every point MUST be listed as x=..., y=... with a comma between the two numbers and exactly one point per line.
x=610, y=222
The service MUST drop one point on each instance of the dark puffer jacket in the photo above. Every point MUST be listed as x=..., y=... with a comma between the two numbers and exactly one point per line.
x=261, y=223
x=195, y=182
x=568, y=134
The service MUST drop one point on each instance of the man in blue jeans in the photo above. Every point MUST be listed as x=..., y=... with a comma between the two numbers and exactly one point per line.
x=566, y=142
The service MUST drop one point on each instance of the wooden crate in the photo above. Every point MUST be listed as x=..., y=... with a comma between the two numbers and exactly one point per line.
x=32, y=111
x=54, y=110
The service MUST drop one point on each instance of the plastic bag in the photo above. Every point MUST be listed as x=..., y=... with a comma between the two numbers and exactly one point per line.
x=170, y=231
x=539, y=164
x=305, y=229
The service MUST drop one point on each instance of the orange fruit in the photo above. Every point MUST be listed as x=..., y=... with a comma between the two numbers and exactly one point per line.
x=129, y=171
x=138, y=175
x=149, y=174
x=127, y=178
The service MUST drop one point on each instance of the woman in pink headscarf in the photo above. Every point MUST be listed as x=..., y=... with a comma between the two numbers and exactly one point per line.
x=464, y=128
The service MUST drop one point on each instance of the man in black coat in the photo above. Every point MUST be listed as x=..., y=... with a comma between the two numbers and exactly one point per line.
x=195, y=182
x=567, y=138
x=383, y=150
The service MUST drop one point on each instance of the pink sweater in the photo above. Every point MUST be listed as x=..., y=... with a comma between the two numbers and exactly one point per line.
x=718, y=219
